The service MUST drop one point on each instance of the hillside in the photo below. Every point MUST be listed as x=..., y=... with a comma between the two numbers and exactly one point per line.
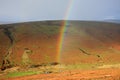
x=113, y=21
x=37, y=42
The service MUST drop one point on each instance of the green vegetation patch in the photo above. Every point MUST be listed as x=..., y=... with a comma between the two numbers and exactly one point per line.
x=18, y=74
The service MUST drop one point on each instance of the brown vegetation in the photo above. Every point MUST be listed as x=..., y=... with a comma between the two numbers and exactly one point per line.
x=84, y=42
x=34, y=45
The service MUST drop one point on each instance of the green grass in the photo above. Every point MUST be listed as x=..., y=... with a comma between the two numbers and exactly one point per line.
x=18, y=74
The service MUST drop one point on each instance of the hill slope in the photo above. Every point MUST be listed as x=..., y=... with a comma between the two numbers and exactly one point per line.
x=91, y=42
x=37, y=42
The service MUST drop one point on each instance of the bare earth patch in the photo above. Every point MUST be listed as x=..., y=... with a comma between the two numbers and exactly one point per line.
x=99, y=74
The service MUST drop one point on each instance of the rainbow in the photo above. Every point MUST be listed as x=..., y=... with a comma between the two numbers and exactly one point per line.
x=63, y=29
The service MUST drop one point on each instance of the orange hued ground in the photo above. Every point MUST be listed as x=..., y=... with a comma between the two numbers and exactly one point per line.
x=100, y=40
x=100, y=74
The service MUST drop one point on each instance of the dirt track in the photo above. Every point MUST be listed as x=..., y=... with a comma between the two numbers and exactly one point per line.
x=101, y=74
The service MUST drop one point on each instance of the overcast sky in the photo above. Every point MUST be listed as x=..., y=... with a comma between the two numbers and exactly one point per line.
x=35, y=10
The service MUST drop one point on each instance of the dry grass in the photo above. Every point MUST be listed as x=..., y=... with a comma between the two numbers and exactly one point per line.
x=110, y=66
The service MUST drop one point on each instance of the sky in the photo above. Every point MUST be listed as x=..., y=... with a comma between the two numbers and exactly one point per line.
x=38, y=10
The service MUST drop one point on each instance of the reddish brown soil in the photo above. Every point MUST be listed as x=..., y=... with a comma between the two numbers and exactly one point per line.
x=100, y=74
